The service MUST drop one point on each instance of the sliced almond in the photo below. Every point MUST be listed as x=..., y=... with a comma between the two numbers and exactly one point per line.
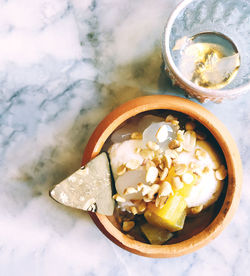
x=221, y=173
x=119, y=198
x=129, y=191
x=133, y=164
x=164, y=174
x=128, y=225
x=189, y=140
x=190, y=125
x=180, y=169
x=162, y=134
x=177, y=183
x=136, y=136
x=165, y=189
x=121, y=170
x=152, y=174
x=187, y=178
x=174, y=144
x=153, y=146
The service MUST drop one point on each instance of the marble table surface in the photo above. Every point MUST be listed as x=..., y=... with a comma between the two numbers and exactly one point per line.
x=63, y=66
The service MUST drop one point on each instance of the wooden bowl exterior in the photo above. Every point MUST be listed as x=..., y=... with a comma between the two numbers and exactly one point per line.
x=222, y=136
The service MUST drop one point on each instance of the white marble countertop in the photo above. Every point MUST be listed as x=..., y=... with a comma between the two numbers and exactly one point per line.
x=61, y=72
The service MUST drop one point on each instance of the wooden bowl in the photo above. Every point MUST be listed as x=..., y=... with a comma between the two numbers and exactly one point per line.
x=199, y=238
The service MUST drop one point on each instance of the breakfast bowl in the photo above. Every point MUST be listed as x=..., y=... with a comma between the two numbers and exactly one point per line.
x=202, y=230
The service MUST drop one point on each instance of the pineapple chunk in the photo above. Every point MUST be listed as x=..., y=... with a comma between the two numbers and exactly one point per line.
x=156, y=235
x=171, y=216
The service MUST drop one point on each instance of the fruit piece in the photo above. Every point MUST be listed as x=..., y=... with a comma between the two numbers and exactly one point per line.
x=156, y=235
x=150, y=133
x=122, y=153
x=171, y=216
x=89, y=188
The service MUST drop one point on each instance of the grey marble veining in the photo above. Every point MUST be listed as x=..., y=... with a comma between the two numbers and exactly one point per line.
x=63, y=66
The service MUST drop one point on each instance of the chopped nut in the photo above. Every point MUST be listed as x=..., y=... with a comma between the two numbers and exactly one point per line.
x=154, y=189
x=180, y=135
x=158, y=160
x=221, y=173
x=133, y=164
x=190, y=125
x=170, y=118
x=187, y=178
x=142, y=206
x=161, y=201
x=153, y=146
x=206, y=170
x=150, y=163
x=161, y=166
x=180, y=149
x=189, y=140
x=119, y=198
x=140, y=186
x=200, y=154
x=171, y=153
x=174, y=144
x=196, y=210
x=128, y=225
x=180, y=169
x=136, y=136
x=137, y=150
x=165, y=189
x=201, y=135
x=177, y=183
x=133, y=210
x=175, y=122
x=162, y=134
x=121, y=170
x=164, y=174
x=168, y=161
x=147, y=199
x=147, y=154
x=130, y=190
x=145, y=189
x=152, y=174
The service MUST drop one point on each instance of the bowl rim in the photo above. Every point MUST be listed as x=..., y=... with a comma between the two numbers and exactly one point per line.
x=225, y=141
x=170, y=64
